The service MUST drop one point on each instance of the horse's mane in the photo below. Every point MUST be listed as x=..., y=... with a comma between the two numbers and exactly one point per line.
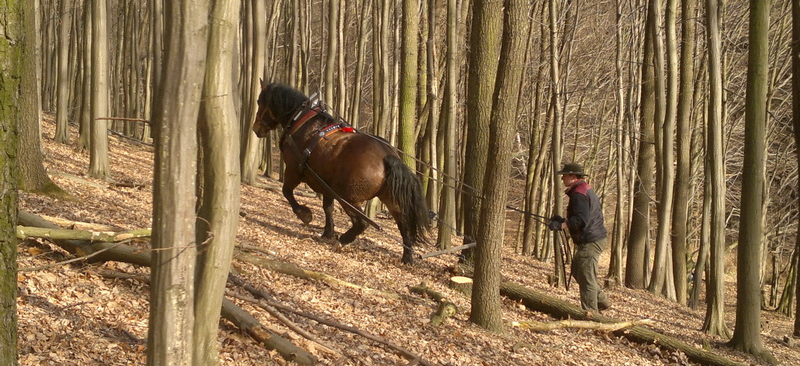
x=283, y=100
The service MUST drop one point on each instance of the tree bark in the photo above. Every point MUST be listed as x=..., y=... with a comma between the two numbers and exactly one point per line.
x=409, y=51
x=635, y=266
x=796, y=130
x=62, y=111
x=219, y=205
x=12, y=18
x=747, y=332
x=485, y=42
x=684, y=137
x=714, y=322
x=173, y=268
x=98, y=151
x=486, y=310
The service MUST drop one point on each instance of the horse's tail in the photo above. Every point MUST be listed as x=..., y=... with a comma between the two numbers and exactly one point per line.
x=406, y=190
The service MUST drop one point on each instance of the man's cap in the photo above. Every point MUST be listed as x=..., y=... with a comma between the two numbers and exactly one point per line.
x=572, y=168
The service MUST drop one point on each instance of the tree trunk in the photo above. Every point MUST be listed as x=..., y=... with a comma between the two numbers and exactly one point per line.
x=62, y=115
x=408, y=81
x=33, y=176
x=447, y=203
x=684, y=137
x=555, y=149
x=172, y=289
x=662, y=279
x=98, y=152
x=219, y=209
x=796, y=128
x=714, y=322
x=747, y=332
x=13, y=16
x=250, y=143
x=485, y=41
x=486, y=309
x=643, y=186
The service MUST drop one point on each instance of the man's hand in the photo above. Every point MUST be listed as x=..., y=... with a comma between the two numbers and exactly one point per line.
x=555, y=223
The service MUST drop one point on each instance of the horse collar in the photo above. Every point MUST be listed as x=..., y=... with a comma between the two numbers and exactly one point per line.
x=303, y=119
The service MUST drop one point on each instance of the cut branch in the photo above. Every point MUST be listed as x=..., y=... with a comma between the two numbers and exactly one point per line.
x=581, y=324
x=27, y=232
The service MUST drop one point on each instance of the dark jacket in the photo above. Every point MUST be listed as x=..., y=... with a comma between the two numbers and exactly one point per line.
x=584, y=214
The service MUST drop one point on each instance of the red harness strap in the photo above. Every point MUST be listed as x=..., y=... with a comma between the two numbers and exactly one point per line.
x=300, y=121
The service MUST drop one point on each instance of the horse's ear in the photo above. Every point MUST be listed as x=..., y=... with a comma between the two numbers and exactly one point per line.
x=263, y=84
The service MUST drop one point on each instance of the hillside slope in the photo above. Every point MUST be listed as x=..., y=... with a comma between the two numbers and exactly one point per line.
x=71, y=314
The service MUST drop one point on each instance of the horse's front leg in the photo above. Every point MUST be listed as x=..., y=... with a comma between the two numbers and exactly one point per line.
x=327, y=207
x=302, y=212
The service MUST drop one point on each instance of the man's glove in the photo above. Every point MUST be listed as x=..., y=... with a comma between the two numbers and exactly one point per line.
x=555, y=223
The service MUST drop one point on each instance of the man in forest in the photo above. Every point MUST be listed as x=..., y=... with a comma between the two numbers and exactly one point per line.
x=585, y=223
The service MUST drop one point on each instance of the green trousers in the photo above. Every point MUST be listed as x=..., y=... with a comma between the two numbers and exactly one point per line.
x=584, y=269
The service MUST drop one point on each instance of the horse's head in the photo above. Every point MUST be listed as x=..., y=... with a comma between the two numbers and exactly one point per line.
x=276, y=103
x=265, y=117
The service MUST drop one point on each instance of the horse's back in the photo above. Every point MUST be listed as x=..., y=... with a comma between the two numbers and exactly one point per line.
x=352, y=164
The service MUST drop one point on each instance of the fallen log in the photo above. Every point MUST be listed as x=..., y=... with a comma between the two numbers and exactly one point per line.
x=127, y=254
x=27, y=232
x=580, y=324
x=537, y=301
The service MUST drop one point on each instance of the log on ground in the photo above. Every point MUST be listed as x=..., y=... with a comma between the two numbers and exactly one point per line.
x=537, y=301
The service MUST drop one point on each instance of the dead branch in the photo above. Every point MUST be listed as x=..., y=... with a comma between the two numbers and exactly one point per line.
x=293, y=270
x=581, y=324
x=449, y=250
x=407, y=354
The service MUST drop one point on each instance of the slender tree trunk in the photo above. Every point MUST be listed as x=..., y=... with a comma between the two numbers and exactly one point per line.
x=85, y=139
x=219, y=208
x=486, y=309
x=170, y=334
x=747, y=332
x=447, y=203
x=714, y=322
x=617, y=243
x=408, y=80
x=635, y=266
x=485, y=43
x=13, y=16
x=250, y=143
x=684, y=136
x=62, y=114
x=555, y=150
x=796, y=126
x=98, y=153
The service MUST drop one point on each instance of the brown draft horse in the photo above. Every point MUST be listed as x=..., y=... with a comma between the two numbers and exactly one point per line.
x=335, y=160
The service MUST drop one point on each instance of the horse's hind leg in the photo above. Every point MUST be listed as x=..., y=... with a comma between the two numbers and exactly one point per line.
x=327, y=206
x=302, y=212
x=359, y=225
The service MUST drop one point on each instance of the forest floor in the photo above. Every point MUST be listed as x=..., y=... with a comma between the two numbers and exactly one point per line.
x=70, y=314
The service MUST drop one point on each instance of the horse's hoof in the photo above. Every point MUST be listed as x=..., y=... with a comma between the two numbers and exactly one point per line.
x=304, y=214
x=330, y=237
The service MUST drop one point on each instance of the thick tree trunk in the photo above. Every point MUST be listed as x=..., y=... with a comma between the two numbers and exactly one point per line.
x=486, y=310
x=747, y=332
x=12, y=17
x=219, y=208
